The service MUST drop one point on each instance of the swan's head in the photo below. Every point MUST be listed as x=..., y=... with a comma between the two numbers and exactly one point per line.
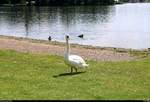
x=67, y=37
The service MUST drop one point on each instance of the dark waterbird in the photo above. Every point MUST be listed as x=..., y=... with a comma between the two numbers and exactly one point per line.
x=49, y=38
x=81, y=36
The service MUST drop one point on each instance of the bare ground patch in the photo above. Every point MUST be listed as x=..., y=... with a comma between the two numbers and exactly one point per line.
x=56, y=48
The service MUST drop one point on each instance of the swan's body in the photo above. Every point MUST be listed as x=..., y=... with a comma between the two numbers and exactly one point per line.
x=74, y=61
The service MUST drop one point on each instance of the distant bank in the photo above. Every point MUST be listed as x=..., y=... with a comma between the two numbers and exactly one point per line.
x=55, y=2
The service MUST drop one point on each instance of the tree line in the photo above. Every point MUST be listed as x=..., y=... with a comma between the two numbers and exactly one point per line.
x=58, y=2
x=13, y=1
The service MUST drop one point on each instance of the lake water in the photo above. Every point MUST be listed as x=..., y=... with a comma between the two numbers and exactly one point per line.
x=124, y=26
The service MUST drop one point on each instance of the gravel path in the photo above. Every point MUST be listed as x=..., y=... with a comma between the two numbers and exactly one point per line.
x=28, y=45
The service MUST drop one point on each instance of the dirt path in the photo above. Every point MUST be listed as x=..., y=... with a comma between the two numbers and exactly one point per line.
x=27, y=45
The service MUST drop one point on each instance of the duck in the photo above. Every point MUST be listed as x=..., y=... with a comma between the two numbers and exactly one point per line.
x=49, y=38
x=81, y=36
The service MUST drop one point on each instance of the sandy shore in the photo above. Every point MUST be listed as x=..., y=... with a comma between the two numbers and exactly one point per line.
x=57, y=48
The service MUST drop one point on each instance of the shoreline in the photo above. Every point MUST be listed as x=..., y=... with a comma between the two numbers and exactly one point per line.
x=22, y=44
x=72, y=44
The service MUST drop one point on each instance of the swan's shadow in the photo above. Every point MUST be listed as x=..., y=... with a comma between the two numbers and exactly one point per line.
x=68, y=74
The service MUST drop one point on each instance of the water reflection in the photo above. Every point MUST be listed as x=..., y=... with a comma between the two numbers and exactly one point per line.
x=113, y=26
x=35, y=18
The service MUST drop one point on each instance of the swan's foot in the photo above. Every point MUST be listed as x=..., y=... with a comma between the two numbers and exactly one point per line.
x=72, y=70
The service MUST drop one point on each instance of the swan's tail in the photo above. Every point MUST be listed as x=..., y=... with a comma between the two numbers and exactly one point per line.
x=85, y=65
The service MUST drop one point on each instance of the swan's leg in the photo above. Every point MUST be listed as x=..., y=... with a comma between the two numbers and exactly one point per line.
x=75, y=69
x=71, y=69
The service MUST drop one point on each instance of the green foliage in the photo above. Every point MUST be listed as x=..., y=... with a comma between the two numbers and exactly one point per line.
x=12, y=1
x=60, y=2
x=140, y=54
x=34, y=76
x=4, y=1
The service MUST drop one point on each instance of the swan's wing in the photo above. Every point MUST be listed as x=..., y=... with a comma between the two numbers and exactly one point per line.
x=77, y=60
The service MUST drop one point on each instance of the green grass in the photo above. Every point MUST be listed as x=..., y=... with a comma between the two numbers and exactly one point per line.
x=42, y=77
x=140, y=54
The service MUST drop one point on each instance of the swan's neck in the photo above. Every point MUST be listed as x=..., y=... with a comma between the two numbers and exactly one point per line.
x=68, y=48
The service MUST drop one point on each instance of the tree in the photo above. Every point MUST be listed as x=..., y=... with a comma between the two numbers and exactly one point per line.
x=17, y=1
x=60, y=2
x=4, y=1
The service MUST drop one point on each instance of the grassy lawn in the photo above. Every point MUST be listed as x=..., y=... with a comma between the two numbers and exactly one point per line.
x=34, y=76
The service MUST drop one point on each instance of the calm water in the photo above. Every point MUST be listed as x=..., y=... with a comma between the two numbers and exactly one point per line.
x=125, y=26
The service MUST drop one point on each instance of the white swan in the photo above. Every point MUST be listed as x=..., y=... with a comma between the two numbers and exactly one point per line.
x=74, y=61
